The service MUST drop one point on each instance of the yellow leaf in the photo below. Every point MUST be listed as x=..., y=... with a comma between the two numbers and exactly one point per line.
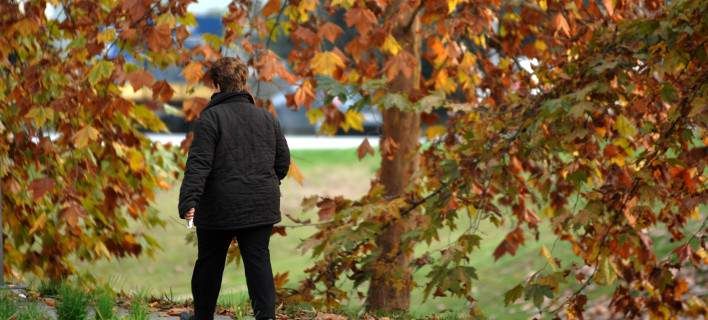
x=101, y=250
x=106, y=36
x=625, y=127
x=549, y=258
x=543, y=4
x=39, y=223
x=435, y=131
x=84, y=136
x=343, y=3
x=353, y=120
x=444, y=83
x=391, y=46
x=295, y=173
x=314, y=115
x=136, y=160
x=326, y=63
x=540, y=45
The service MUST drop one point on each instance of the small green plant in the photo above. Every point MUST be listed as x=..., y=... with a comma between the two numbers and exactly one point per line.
x=236, y=303
x=32, y=311
x=73, y=303
x=8, y=306
x=49, y=288
x=138, y=308
x=104, y=303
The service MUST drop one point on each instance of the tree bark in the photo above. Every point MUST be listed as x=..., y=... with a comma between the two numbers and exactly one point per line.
x=391, y=279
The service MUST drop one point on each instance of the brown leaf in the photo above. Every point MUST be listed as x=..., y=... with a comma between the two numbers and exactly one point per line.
x=140, y=78
x=330, y=31
x=40, y=187
x=362, y=18
x=72, y=212
x=364, y=149
x=327, y=209
x=193, y=72
x=162, y=91
x=273, y=6
x=193, y=106
x=389, y=147
x=510, y=243
x=280, y=279
x=305, y=95
x=561, y=24
x=159, y=38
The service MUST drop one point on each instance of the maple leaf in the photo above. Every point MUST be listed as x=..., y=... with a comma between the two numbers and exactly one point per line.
x=400, y=64
x=561, y=24
x=193, y=72
x=162, y=91
x=84, y=136
x=362, y=18
x=390, y=45
x=271, y=7
x=304, y=95
x=295, y=173
x=329, y=31
x=140, y=78
x=364, y=149
x=193, y=106
x=40, y=187
x=159, y=38
x=325, y=63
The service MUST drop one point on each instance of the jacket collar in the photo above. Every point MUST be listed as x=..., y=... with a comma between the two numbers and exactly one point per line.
x=232, y=96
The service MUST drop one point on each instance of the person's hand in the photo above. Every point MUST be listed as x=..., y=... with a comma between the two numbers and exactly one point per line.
x=190, y=214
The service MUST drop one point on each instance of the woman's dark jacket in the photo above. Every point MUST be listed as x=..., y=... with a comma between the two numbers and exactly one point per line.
x=235, y=164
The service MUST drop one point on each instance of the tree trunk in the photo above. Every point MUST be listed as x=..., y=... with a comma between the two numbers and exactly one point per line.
x=391, y=279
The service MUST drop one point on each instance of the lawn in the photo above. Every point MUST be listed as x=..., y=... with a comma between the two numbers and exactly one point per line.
x=330, y=172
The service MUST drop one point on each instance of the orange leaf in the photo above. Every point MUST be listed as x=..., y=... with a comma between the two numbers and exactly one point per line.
x=193, y=106
x=305, y=95
x=609, y=6
x=40, y=187
x=295, y=173
x=140, y=78
x=193, y=72
x=159, y=38
x=330, y=31
x=560, y=23
x=364, y=149
x=362, y=18
x=162, y=91
x=273, y=6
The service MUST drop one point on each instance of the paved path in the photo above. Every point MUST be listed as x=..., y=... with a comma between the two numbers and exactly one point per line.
x=294, y=142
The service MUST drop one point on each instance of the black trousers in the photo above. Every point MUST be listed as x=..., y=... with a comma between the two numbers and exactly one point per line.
x=208, y=270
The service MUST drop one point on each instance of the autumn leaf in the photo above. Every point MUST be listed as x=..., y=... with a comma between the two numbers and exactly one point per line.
x=561, y=24
x=159, y=38
x=40, y=187
x=391, y=46
x=136, y=160
x=192, y=107
x=353, y=120
x=294, y=173
x=304, y=95
x=162, y=91
x=549, y=258
x=140, y=78
x=271, y=7
x=325, y=63
x=84, y=136
x=364, y=149
x=435, y=131
x=362, y=18
x=193, y=72
x=400, y=64
x=100, y=71
x=329, y=31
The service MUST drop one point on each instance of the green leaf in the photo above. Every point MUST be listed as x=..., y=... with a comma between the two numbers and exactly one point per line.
x=668, y=93
x=625, y=127
x=536, y=292
x=514, y=294
x=100, y=71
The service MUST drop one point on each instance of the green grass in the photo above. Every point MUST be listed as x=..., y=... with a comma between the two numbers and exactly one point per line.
x=104, y=303
x=332, y=172
x=8, y=306
x=73, y=303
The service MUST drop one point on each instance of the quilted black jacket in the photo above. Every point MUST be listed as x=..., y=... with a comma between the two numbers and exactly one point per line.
x=235, y=164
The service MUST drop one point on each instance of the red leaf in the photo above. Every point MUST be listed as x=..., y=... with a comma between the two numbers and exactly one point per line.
x=510, y=243
x=362, y=18
x=329, y=31
x=364, y=148
x=162, y=91
x=40, y=187
x=140, y=78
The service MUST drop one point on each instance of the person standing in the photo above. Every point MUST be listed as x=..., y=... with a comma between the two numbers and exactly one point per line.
x=231, y=188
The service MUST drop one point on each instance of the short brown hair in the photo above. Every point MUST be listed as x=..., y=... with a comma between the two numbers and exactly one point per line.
x=229, y=74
